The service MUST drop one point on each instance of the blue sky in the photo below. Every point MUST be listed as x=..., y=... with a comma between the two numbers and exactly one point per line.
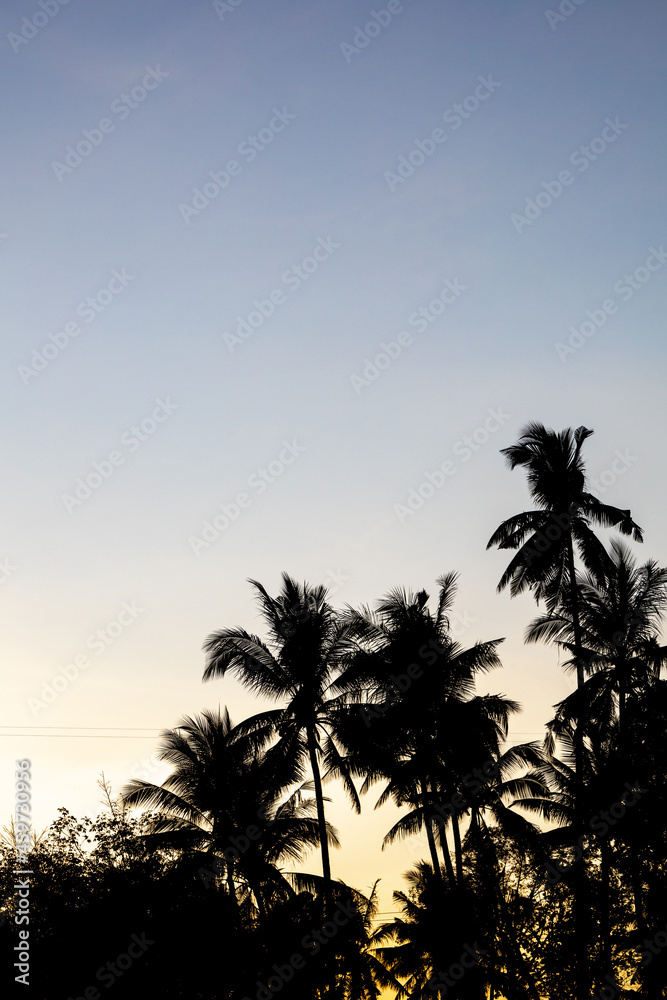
x=170, y=288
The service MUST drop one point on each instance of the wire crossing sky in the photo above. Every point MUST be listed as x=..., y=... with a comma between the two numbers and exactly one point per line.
x=280, y=280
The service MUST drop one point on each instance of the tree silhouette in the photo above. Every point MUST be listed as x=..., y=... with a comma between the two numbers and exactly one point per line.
x=418, y=682
x=620, y=621
x=545, y=540
x=547, y=864
x=298, y=664
x=221, y=806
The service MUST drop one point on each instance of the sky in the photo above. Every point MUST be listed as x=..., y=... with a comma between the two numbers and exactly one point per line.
x=280, y=280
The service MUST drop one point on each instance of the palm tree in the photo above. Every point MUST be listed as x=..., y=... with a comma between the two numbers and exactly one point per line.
x=438, y=747
x=470, y=777
x=620, y=620
x=546, y=537
x=414, y=947
x=487, y=805
x=545, y=540
x=416, y=677
x=222, y=804
x=298, y=664
x=604, y=785
x=620, y=624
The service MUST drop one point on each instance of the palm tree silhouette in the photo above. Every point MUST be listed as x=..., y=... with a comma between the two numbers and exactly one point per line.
x=545, y=540
x=546, y=537
x=603, y=787
x=298, y=664
x=416, y=946
x=620, y=625
x=417, y=680
x=221, y=805
x=620, y=619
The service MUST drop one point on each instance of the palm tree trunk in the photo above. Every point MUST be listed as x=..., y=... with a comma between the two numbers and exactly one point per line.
x=581, y=916
x=229, y=866
x=440, y=824
x=261, y=906
x=231, y=885
x=432, y=848
x=444, y=846
x=637, y=894
x=428, y=822
x=319, y=799
x=605, y=916
x=457, y=849
x=576, y=624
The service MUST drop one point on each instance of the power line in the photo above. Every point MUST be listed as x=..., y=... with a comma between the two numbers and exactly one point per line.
x=89, y=732
x=74, y=736
x=92, y=736
x=158, y=730
x=150, y=733
x=128, y=728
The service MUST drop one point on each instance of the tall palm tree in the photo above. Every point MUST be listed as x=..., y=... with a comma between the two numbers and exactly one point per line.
x=604, y=786
x=623, y=834
x=620, y=619
x=415, y=677
x=545, y=539
x=431, y=740
x=620, y=624
x=468, y=743
x=298, y=664
x=472, y=745
x=222, y=804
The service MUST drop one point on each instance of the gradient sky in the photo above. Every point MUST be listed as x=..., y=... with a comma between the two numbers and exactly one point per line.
x=326, y=176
